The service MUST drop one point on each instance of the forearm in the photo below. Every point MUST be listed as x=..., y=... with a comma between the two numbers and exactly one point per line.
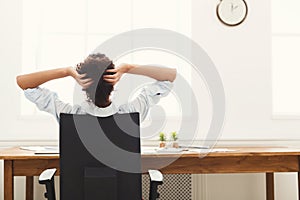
x=33, y=80
x=158, y=73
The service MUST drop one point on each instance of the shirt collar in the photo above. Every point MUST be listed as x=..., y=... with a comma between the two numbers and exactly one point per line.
x=92, y=109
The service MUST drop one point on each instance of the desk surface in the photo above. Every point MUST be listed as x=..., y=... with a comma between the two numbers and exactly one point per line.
x=15, y=153
x=268, y=160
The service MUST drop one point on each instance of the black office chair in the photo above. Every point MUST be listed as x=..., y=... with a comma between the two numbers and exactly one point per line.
x=94, y=179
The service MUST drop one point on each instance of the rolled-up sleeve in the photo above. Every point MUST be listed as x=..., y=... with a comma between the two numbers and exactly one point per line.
x=149, y=96
x=48, y=101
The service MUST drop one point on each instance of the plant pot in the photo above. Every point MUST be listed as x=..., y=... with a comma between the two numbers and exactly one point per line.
x=175, y=144
x=162, y=144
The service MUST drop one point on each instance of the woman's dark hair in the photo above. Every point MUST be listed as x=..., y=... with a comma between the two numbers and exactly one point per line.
x=95, y=66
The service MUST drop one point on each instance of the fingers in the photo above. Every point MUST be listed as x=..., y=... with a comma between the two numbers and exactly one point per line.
x=85, y=83
x=113, y=80
x=112, y=70
x=110, y=76
x=87, y=80
x=81, y=76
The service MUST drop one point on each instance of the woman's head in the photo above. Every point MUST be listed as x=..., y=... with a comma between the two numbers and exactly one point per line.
x=95, y=66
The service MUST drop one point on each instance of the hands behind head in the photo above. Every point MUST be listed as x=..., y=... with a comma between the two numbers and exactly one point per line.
x=113, y=79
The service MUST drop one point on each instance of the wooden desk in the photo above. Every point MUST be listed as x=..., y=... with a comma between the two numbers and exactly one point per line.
x=244, y=160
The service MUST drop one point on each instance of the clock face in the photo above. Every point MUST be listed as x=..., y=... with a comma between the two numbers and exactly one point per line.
x=232, y=12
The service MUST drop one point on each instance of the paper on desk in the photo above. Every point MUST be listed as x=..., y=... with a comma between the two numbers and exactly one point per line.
x=155, y=150
x=41, y=149
x=169, y=150
x=148, y=151
x=211, y=150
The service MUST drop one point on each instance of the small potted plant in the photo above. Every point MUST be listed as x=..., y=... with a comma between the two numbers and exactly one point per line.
x=174, y=139
x=162, y=139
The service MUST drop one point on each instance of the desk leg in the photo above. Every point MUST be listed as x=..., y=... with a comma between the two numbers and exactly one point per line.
x=270, y=186
x=299, y=185
x=29, y=187
x=8, y=180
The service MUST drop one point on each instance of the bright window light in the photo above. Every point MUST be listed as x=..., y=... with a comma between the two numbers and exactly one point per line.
x=285, y=58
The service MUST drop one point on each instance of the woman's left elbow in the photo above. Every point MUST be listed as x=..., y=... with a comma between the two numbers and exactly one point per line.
x=174, y=74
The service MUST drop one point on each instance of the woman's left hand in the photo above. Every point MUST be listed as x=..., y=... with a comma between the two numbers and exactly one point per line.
x=113, y=79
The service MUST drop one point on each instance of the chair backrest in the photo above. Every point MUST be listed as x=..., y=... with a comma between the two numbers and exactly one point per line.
x=100, y=157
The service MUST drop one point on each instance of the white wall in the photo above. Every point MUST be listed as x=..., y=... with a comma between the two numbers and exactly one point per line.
x=243, y=58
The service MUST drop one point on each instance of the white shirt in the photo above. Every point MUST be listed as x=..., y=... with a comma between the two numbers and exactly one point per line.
x=150, y=95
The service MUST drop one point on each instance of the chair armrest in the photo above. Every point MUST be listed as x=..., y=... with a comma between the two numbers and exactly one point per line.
x=155, y=175
x=47, y=176
x=156, y=179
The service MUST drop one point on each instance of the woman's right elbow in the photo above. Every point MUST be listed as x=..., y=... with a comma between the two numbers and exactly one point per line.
x=19, y=82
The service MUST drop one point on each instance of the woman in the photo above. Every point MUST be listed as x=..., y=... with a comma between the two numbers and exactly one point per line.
x=97, y=76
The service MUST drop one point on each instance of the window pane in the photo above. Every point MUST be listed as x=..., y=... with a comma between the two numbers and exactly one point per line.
x=64, y=16
x=30, y=34
x=93, y=41
x=184, y=17
x=61, y=51
x=168, y=14
x=111, y=16
x=286, y=71
x=155, y=13
x=286, y=16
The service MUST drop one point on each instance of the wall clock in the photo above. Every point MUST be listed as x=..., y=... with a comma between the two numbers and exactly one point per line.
x=232, y=12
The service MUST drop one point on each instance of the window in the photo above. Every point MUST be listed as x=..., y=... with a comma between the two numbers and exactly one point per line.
x=60, y=33
x=285, y=58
